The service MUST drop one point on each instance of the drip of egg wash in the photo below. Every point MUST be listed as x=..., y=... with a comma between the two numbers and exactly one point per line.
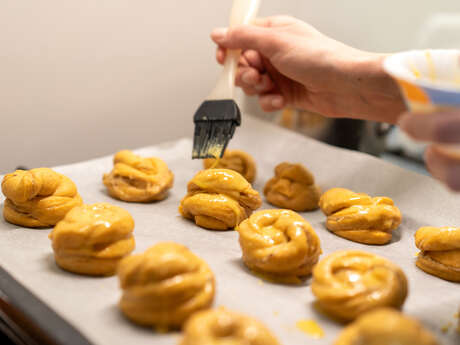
x=310, y=327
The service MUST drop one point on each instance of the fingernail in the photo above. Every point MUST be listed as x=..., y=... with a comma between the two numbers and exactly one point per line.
x=277, y=102
x=219, y=34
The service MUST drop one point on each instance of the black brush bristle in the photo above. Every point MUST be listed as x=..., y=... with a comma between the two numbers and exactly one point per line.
x=215, y=123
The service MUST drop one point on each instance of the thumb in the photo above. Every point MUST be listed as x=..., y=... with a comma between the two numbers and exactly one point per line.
x=246, y=37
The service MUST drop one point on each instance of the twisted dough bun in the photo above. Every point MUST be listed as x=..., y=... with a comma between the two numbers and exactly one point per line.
x=293, y=187
x=358, y=217
x=440, y=251
x=92, y=239
x=236, y=160
x=137, y=179
x=279, y=242
x=385, y=326
x=165, y=285
x=224, y=327
x=350, y=283
x=219, y=199
x=38, y=198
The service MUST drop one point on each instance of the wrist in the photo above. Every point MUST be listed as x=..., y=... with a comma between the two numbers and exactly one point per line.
x=379, y=95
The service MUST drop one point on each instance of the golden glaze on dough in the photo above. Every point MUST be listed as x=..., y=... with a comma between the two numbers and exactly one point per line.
x=92, y=239
x=279, y=242
x=219, y=199
x=225, y=327
x=293, y=187
x=440, y=251
x=349, y=283
x=38, y=198
x=236, y=160
x=358, y=217
x=137, y=179
x=164, y=286
x=385, y=326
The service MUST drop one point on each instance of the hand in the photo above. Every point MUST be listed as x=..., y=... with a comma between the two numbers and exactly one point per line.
x=286, y=62
x=438, y=128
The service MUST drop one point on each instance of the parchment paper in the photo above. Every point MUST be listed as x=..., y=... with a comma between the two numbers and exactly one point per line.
x=90, y=304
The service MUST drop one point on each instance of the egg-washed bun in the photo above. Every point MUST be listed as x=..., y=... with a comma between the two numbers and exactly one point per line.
x=359, y=217
x=349, y=283
x=385, y=326
x=92, y=239
x=164, y=285
x=38, y=198
x=279, y=242
x=138, y=179
x=237, y=160
x=440, y=251
x=225, y=327
x=293, y=187
x=219, y=199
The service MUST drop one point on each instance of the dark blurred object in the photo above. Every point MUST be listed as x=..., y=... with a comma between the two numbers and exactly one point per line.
x=365, y=136
x=401, y=144
x=4, y=339
x=25, y=319
x=10, y=331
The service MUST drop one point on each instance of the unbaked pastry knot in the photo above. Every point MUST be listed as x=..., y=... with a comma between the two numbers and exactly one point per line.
x=279, y=242
x=349, y=283
x=38, y=197
x=293, y=187
x=219, y=199
x=440, y=251
x=165, y=285
x=137, y=179
x=224, y=327
x=385, y=326
x=358, y=217
x=92, y=239
x=236, y=160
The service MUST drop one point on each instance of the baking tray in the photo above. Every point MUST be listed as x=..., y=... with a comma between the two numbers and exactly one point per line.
x=25, y=319
x=68, y=307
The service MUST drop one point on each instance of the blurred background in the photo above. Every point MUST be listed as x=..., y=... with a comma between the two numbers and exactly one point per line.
x=82, y=79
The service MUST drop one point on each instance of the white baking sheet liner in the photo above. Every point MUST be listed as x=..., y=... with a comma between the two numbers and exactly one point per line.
x=90, y=304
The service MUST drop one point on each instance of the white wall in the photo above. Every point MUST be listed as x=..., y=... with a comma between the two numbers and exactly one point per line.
x=375, y=25
x=80, y=79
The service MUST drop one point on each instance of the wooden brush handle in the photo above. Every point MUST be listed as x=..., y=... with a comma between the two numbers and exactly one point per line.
x=243, y=11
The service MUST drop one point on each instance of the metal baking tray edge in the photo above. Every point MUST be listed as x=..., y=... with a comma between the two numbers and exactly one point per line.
x=27, y=314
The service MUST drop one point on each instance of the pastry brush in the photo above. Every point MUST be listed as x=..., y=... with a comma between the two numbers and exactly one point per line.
x=217, y=117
